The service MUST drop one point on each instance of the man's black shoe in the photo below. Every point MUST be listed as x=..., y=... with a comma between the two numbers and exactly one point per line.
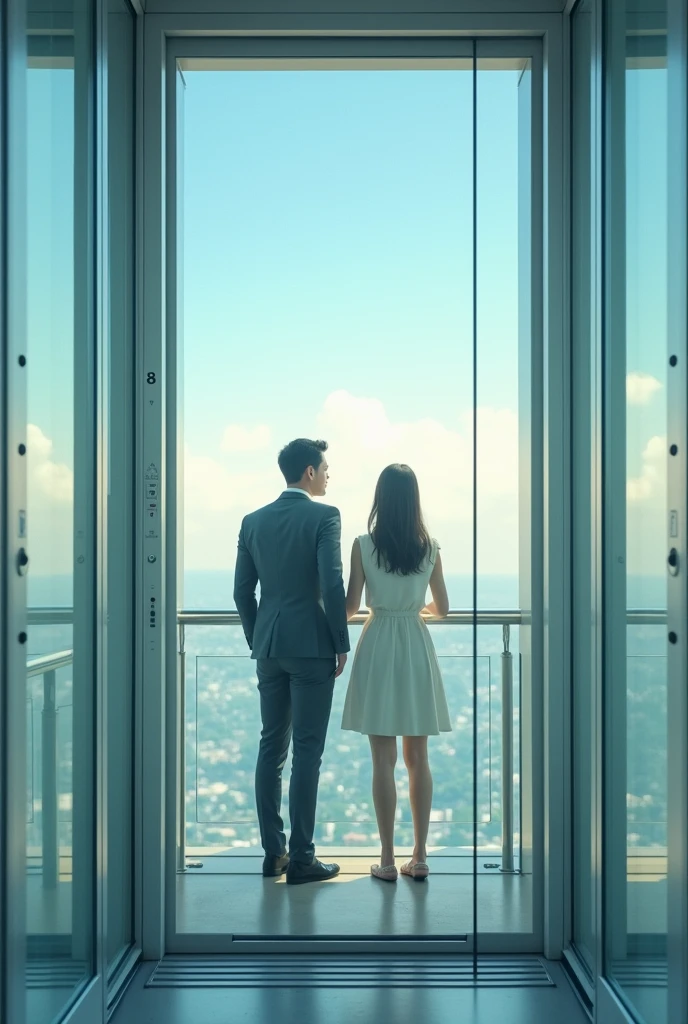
x=274, y=866
x=299, y=874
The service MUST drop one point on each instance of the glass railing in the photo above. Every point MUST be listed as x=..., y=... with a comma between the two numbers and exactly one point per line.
x=220, y=731
x=645, y=689
x=49, y=763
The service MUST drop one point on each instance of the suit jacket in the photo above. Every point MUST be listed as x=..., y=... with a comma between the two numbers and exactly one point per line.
x=292, y=548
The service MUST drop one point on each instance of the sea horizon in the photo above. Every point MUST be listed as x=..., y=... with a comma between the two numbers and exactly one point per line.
x=212, y=589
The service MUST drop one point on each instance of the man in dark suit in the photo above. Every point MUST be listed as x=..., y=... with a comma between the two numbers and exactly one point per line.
x=298, y=635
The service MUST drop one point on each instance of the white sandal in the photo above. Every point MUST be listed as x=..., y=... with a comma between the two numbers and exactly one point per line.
x=388, y=874
x=418, y=871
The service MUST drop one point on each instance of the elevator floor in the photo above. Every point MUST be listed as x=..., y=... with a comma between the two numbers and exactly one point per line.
x=264, y=1003
x=239, y=900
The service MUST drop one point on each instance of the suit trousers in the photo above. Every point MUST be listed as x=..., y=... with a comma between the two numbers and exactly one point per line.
x=295, y=701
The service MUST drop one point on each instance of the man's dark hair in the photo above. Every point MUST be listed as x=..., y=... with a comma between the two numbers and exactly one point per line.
x=298, y=455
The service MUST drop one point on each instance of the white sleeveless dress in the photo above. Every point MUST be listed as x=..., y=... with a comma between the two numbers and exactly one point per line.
x=395, y=688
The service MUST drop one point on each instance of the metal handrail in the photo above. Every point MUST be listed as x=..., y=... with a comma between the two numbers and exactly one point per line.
x=48, y=663
x=63, y=615
x=646, y=617
x=456, y=617
x=58, y=615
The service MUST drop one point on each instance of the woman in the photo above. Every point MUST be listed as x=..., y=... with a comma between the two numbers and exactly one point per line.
x=396, y=687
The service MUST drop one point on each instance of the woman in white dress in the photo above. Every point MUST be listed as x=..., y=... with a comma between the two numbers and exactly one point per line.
x=396, y=686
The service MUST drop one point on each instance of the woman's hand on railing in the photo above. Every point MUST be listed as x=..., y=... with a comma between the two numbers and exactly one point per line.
x=431, y=612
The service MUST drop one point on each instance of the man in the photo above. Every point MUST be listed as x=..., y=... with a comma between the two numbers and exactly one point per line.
x=298, y=635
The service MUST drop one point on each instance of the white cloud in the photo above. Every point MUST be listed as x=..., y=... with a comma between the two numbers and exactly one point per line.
x=243, y=439
x=40, y=446
x=46, y=479
x=652, y=480
x=210, y=486
x=646, y=512
x=363, y=440
x=640, y=387
x=50, y=503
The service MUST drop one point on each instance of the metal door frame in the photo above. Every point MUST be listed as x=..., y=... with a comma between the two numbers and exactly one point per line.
x=610, y=1004
x=13, y=623
x=90, y=345
x=677, y=478
x=167, y=36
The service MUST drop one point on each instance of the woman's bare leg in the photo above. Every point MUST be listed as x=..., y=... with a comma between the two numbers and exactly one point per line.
x=420, y=792
x=384, y=751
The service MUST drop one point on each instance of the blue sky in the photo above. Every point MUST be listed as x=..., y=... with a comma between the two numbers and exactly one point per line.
x=50, y=292
x=646, y=239
x=328, y=219
x=328, y=291
x=328, y=249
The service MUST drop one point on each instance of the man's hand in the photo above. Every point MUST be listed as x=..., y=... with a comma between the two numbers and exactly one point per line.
x=341, y=662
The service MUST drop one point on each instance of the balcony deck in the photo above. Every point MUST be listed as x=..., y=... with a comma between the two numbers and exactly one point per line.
x=229, y=894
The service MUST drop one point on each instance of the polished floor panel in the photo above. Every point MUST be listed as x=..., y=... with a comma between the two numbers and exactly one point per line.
x=46, y=1003
x=352, y=904
x=49, y=984
x=265, y=1004
x=645, y=979
x=442, y=860
x=352, y=970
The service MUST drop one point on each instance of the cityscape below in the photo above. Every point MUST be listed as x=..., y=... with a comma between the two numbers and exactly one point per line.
x=223, y=730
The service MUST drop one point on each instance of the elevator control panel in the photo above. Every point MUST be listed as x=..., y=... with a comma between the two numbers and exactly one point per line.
x=150, y=497
x=152, y=501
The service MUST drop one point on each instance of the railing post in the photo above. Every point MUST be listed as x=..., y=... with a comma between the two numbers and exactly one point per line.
x=507, y=754
x=181, y=813
x=49, y=831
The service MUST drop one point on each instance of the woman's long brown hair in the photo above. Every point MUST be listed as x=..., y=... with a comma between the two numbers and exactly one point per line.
x=400, y=537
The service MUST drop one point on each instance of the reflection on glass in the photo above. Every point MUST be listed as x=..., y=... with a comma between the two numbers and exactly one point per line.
x=121, y=41
x=59, y=680
x=638, y=957
x=503, y=440
x=585, y=473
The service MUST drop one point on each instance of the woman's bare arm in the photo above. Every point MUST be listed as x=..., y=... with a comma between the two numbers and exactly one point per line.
x=356, y=581
x=439, y=606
